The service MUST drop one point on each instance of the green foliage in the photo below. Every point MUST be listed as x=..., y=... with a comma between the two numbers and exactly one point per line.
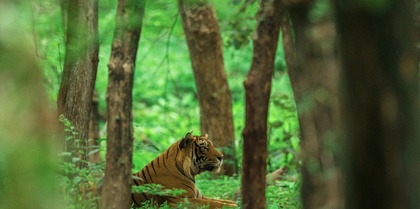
x=80, y=183
x=238, y=22
x=222, y=187
x=283, y=132
x=149, y=204
x=157, y=189
x=165, y=103
x=27, y=166
x=49, y=42
x=27, y=175
x=320, y=10
x=282, y=194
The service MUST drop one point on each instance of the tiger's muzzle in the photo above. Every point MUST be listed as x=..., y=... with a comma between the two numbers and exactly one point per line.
x=215, y=165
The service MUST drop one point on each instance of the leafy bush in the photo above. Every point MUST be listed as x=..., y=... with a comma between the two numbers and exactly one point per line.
x=157, y=189
x=80, y=183
x=282, y=194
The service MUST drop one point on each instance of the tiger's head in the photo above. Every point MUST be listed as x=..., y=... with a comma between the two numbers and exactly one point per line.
x=199, y=154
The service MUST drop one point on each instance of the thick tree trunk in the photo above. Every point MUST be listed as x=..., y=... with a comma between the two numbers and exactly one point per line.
x=257, y=95
x=116, y=192
x=80, y=66
x=380, y=105
x=205, y=46
x=313, y=71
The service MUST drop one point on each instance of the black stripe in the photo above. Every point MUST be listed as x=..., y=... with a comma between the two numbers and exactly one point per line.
x=134, y=200
x=167, y=153
x=179, y=168
x=158, y=160
x=170, y=197
x=145, y=197
x=166, y=198
x=137, y=184
x=192, y=155
x=148, y=172
x=164, y=163
x=135, y=181
x=189, y=187
x=153, y=166
x=144, y=176
x=182, y=172
x=196, y=151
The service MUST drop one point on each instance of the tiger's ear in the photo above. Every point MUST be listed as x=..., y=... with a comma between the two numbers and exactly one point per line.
x=186, y=141
x=205, y=135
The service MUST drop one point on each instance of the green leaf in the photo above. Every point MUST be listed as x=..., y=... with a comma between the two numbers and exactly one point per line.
x=93, y=152
x=75, y=159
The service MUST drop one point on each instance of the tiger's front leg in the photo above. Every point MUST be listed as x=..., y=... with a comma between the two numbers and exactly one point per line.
x=213, y=203
x=220, y=200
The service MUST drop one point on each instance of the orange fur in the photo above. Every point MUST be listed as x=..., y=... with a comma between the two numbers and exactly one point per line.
x=177, y=167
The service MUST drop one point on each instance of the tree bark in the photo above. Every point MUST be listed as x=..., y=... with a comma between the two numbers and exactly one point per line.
x=313, y=70
x=416, y=17
x=79, y=75
x=93, y=144
x=257, y=95
x=116, y=186
x=205, y=46
x=380, y=104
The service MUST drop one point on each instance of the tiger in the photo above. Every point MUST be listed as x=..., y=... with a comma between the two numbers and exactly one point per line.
x=176, y=168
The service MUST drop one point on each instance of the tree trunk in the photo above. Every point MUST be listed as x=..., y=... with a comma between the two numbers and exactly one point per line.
x=205, y=46
x=416, y=17
x=313, y=70
x=116, y=186
x=93, y=144
x=80, y=66
x=257, y=95
x=380, y=104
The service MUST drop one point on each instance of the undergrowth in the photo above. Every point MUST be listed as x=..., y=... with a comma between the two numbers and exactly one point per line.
x=80, y=180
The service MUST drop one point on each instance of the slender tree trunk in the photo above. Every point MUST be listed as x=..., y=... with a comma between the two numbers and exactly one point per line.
x=205, y=45
x=380, y=105
x=93, y=144
x=416, y=17
x=80, y=66
x=313, y=70
x=257, y=95
x=116, y=186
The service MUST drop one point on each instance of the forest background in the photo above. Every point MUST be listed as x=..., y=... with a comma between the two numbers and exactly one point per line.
x=165, y=101
x=165, y=104
x=164, y=90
